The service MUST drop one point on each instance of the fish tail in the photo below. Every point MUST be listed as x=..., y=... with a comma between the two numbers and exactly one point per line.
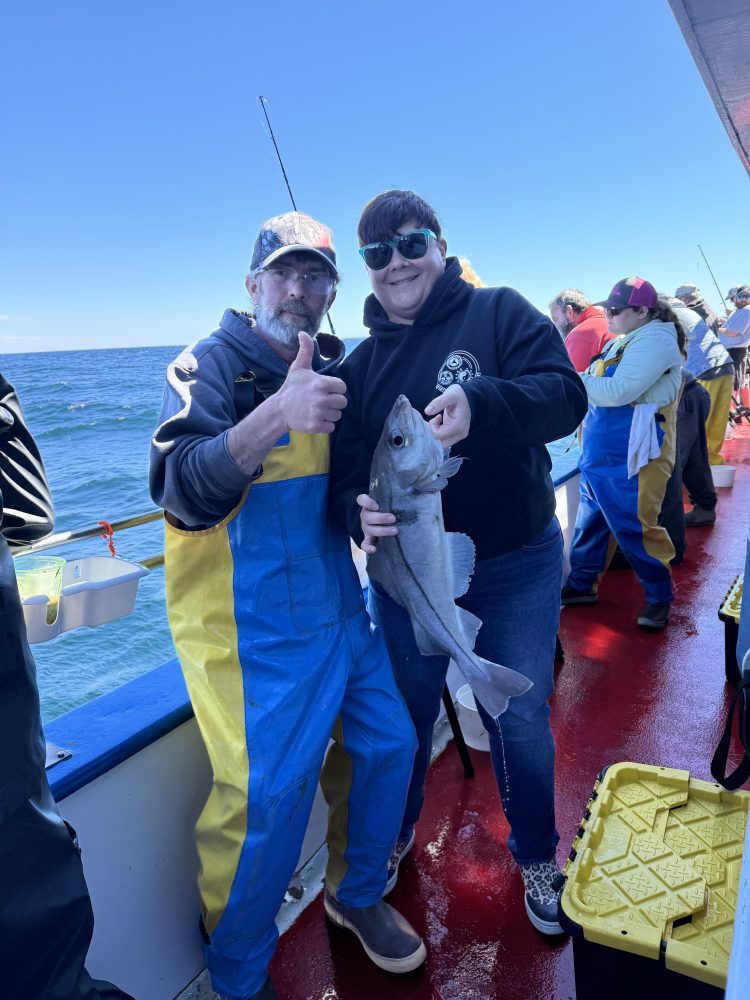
x=493, y=685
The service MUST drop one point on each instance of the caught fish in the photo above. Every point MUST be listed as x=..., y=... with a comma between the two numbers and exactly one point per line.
x=424, y=567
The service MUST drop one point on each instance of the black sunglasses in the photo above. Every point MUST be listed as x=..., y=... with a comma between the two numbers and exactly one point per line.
x=616, y=310
x=411, y=246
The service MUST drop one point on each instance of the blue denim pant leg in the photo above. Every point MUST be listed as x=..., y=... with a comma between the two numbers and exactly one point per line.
x=517, y=596
x=421, y=680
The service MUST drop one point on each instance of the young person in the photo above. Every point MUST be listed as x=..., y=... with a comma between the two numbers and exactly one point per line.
x=494, y=377
x=628, y=449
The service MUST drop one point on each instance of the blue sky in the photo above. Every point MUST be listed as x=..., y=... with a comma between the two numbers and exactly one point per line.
x=561, y=145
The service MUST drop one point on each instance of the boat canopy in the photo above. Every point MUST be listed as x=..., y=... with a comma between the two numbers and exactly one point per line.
x=717, y=36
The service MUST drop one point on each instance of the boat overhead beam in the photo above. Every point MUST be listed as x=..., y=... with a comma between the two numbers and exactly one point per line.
x=718, y=36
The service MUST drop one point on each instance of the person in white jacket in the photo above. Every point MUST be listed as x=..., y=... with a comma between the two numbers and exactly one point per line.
x=628, y=450
x=736, y=338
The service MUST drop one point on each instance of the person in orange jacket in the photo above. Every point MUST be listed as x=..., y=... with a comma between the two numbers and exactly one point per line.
x=583, y=326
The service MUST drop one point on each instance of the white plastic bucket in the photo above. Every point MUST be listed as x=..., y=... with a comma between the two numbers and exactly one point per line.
x=723, y=475
x=471, y=723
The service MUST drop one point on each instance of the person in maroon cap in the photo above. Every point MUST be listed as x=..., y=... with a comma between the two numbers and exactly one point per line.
x=628, y=449
x=584, y=327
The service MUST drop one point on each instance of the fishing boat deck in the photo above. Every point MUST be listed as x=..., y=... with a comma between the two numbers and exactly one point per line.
x=621, y=694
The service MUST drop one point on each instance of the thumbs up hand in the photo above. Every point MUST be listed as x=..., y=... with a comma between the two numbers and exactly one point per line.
x=303, y=361
x=309, y=402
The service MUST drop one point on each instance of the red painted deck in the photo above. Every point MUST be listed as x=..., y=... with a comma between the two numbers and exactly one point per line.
x=621, y=694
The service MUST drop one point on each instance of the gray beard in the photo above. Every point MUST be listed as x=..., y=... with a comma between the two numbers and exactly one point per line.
x=283, y=329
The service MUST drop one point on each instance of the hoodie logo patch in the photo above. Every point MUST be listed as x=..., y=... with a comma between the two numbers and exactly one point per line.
x=458, y=367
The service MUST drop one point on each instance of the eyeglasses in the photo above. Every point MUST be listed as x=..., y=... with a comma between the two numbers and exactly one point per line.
x=616, y=310
x=315, y=282
x=411, y=246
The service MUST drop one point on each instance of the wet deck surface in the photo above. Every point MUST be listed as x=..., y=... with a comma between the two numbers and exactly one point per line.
x=621, y=694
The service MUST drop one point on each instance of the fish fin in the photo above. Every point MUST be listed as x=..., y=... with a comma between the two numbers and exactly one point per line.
x=463, y=555
x=425, y=643
x=450, y=466
x=434, y=484
x=493, y=685
x=470, y=626
x=439, y=480
x=378, y=572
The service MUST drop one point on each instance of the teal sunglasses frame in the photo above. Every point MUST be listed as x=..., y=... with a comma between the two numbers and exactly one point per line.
x=397, y=244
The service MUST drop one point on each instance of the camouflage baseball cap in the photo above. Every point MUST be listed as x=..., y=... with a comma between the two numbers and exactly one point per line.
x=293, y=231
x=691, y=292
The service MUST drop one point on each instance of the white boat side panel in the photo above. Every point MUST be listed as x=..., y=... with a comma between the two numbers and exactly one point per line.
x=135, y=826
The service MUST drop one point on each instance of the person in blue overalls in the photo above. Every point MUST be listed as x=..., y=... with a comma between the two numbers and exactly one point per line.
x=628, y=450
x=269, y=622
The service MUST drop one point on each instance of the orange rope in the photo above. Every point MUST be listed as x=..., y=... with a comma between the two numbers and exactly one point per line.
x=108, y=535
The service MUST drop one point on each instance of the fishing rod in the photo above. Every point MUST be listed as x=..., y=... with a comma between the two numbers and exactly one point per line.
x=721, y=297
x=263, y=103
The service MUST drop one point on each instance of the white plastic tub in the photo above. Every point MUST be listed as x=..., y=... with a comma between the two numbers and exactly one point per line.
x=471, y=723
x=723, y=475
x=95, y=590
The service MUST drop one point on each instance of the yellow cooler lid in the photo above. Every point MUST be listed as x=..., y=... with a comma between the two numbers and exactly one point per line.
x=656, y=867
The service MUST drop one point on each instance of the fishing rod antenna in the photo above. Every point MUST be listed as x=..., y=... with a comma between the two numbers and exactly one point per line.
x=263, y=103
x=721, y=297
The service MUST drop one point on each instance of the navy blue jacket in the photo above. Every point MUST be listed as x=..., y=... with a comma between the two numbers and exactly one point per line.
x=210, y=388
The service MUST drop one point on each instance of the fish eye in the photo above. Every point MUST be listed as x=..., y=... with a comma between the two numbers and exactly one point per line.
x=398, y=441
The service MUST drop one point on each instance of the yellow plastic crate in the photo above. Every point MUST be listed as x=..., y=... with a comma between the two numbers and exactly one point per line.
x=655, y=868
x=729, y=613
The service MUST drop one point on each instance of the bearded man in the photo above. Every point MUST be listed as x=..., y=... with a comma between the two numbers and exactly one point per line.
x=269, y=621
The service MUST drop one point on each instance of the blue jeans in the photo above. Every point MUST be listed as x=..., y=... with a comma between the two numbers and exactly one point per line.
x=517, y=597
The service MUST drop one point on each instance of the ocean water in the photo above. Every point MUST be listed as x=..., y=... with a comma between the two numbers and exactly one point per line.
x=92, y=414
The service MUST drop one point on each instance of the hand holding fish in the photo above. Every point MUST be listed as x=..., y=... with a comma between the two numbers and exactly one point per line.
x=310, y=403
x=376, y=523
x=451, y=416
x=426, y=568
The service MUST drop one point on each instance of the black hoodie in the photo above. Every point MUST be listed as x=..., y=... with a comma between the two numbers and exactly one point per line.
x=522, y=389
x=26, y=515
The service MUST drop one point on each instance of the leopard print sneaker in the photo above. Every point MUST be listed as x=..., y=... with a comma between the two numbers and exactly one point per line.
x=400, y=851
x=543, y=883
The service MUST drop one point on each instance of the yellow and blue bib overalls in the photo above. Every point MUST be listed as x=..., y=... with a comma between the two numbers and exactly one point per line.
x=270, y=627
x=613, y=505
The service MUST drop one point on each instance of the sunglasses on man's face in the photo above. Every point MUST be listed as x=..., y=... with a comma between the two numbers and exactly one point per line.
x=411, y=246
